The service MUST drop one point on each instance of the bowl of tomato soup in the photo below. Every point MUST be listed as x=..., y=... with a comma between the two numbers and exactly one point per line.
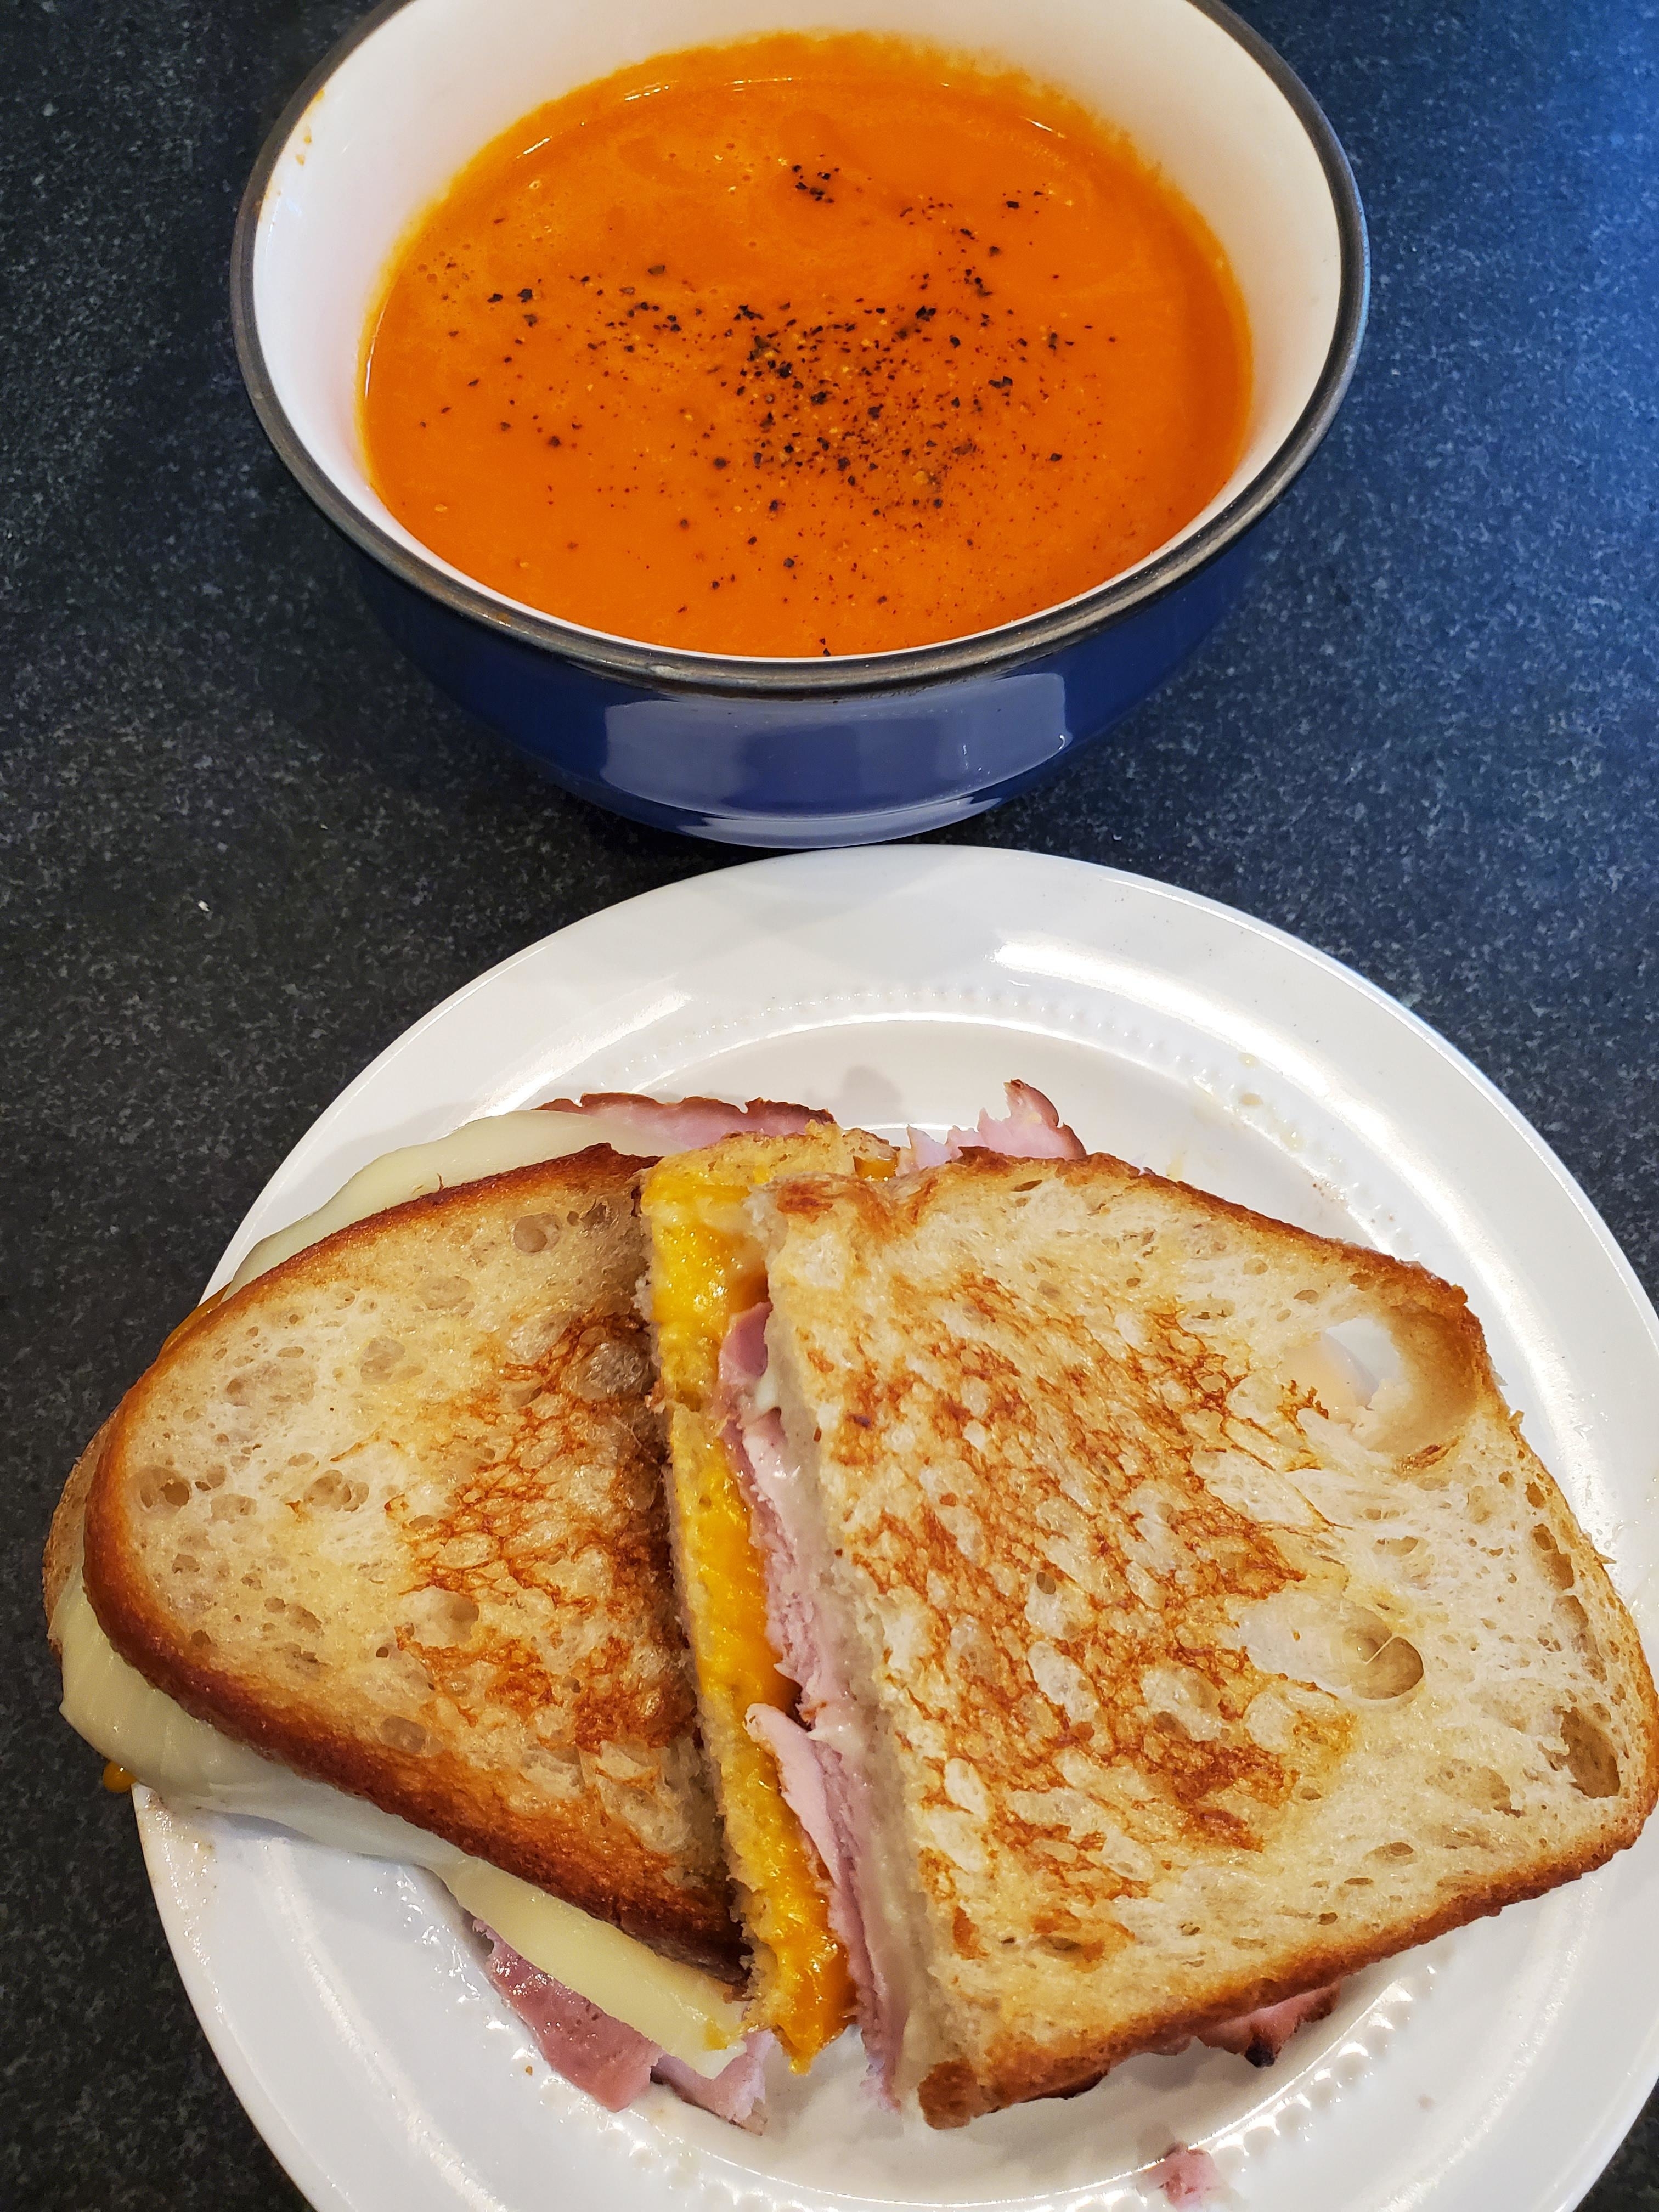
x=783, y=427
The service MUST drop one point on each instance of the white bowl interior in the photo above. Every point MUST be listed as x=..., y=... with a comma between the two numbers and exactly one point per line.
x=441, y=78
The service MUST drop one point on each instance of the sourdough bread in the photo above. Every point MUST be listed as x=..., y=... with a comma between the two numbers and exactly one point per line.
x=1216, y=1629
x=393, y=1516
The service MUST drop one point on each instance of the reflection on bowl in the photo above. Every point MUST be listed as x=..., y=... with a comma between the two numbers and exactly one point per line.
x=769, y=751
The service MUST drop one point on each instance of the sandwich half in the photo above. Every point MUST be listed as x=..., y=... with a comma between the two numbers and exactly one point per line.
x=1179, y=1619
x=377, y=1549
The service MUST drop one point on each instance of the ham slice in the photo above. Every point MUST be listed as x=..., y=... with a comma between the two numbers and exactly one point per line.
x=614, y=2063
x=687, y=1123
x=800, y=1776
x=820, y=1758
x=1260, y=2036
x=1187, y=2178
x=733, y=2094
x=1031, y=1129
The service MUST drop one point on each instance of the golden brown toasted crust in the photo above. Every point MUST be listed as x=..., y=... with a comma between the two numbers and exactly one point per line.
x=598, y=1101
x=63, y=1552
x=392, y=1515
x=1195, y=1685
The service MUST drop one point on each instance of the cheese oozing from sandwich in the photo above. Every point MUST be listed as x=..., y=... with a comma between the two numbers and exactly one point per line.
x=195, y=1768
x=708, y=1269
x=490, y=1146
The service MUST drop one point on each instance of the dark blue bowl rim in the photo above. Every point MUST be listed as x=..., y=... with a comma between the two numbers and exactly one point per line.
x=985, y=652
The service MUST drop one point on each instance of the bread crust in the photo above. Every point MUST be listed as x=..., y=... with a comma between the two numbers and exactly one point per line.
x=63, y=1552
x=436, y=1759
x=1015, y=1369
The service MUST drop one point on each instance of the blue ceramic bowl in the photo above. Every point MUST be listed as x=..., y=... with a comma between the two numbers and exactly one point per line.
x=792, y=752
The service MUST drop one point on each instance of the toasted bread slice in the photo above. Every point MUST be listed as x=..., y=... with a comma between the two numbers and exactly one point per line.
x=393, y=1515
x=706, y=1269
x=1215, y=1630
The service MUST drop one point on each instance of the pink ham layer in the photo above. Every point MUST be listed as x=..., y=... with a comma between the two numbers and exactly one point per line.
x=1260, y=2036
x=687, y=1123
x=828, y=1796
x=1187, y=2178
x=611, y=2061
x=1031, y=1130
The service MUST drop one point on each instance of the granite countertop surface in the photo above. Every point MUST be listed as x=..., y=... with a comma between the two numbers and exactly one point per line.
x=244, y=844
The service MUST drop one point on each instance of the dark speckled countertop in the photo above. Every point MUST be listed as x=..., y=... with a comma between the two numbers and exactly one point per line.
x=245, y=845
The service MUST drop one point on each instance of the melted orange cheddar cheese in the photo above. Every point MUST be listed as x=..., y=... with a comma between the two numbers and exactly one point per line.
x=706, y=1270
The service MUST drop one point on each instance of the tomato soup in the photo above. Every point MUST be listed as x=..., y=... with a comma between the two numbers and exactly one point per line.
x=805, y=345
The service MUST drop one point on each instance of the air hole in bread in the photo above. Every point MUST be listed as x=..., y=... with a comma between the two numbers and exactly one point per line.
x=230, y=1505
x=380, y=1355
x=186, y=1562
x=210, y=1478
x=333, y=1492
x=1558, y=1567
x=402, y=1734
x=1182, y=1702
x=439, y=1617
x=1481, y=1786
x=270, y=1384
x=612, y=1369
x=199, y=1640
x=1591, y=1760
x=166, y=1495
x=445, y=1294
x=534, y=1232
x=1459, y=1837
x=1401, y=1850
x=1584, y=1636
x=1339, y=1647
x=1326, y=1919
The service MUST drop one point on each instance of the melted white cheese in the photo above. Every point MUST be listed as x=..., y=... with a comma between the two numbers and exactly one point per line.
x=486, y=1147
x=193, y=1766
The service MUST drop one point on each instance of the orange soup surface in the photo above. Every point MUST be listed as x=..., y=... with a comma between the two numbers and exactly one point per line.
x=805, y=346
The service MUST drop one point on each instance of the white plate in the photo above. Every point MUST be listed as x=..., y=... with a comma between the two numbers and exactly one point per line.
x=1497, y=2067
